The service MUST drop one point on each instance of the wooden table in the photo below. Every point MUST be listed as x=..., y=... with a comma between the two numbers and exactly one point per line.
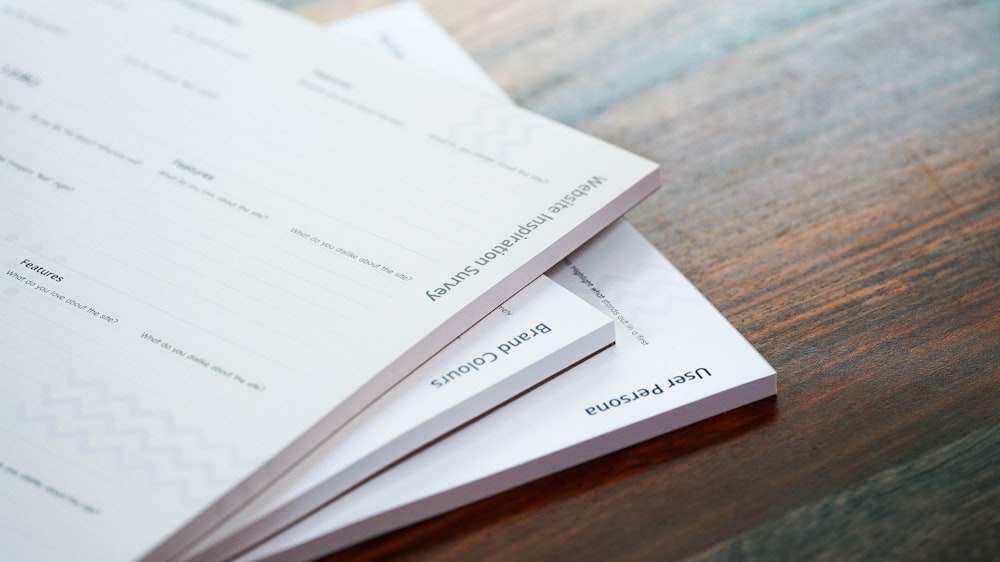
x=832, y=183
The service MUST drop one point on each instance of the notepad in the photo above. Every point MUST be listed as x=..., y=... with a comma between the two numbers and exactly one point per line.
x=222, y=236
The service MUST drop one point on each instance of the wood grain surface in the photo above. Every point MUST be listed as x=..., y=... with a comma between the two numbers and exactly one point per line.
x=831, y=182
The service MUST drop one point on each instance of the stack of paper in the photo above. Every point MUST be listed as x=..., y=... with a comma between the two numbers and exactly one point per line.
x=225, y=235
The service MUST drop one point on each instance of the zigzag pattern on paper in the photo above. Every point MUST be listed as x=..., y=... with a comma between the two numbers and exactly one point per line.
x=491, y=130
x=119, y=458
x=657, y=298
x=649, y=300
x=457, y=129
x=525, y=136
x=73, y=418
x=137, y=412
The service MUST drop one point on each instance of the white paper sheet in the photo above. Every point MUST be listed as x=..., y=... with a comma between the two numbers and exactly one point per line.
x=221, y=236
x=406, y=32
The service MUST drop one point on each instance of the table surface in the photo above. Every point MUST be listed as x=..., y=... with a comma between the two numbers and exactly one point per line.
x=831, y=182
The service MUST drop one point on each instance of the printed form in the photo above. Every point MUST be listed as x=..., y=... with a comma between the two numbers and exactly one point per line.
x=220, y=239
x=662, y=324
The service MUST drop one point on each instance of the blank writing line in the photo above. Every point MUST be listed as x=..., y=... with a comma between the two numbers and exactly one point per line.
x=160, y=310
x=311, y=282
x=338, y=273
x=297, y=339
x=281, y=308
x=144, y=367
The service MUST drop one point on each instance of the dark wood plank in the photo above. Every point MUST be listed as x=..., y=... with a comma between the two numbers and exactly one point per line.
x=961, y=479
x=832, y=184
